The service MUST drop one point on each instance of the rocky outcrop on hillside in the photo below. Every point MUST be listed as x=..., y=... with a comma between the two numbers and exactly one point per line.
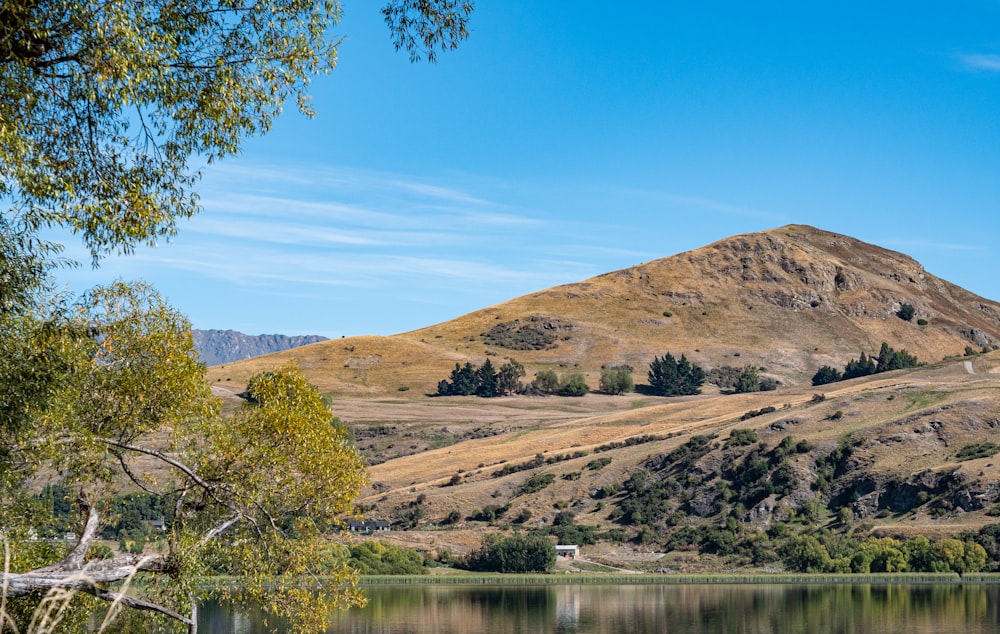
x=749, y=477
x=224, y=346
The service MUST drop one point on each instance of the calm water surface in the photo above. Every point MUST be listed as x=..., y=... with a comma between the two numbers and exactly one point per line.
x=641, y=609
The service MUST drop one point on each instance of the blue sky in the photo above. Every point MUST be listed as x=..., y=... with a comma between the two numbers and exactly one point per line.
x=568, y=139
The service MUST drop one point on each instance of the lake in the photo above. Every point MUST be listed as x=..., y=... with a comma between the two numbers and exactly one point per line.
x=641, y=609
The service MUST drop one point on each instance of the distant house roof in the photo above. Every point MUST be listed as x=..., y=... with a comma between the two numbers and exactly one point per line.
x=568, y=550
x=367, y=526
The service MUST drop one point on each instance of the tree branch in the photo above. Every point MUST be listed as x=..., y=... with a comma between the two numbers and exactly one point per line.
x=86, y=581
x=173, y=462
x=130, y=601
x=214, y=532
x=106, y=571
x=76, y=556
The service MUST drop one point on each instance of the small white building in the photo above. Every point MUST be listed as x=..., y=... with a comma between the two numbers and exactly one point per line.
x=569, y=551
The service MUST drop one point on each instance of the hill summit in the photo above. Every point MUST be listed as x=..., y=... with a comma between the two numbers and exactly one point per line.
x=788, y=300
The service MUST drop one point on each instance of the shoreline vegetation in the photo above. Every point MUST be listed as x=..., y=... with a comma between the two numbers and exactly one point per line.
x=568, y=578
x=681, y=579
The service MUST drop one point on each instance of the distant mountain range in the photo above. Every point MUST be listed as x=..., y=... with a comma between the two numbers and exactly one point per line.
x=224, y=346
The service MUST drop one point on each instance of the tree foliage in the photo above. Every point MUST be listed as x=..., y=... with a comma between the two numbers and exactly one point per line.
x=617, y=380
x=374, y=557
x=509, y=377
x=128, y=408
x=749, y=380
x=546, y=382
x=670, y=377
x=423, y=26
x=107, y=112
x=826, y=374
x=573, y=384
x=515, y=553
x=485, y=380
x=862, y=366
x=109, y=107
x=888, y=359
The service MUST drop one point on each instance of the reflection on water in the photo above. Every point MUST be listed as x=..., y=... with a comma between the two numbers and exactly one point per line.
x=642, y=609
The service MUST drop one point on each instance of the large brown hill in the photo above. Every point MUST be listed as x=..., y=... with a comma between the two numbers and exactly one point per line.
x=905, y=451
x=788, y=300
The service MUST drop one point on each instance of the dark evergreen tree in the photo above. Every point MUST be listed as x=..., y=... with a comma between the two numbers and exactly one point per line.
x=885, y=358
x=902, y=359
x=889, y=359
x=670, y=377
x=464, y=382
x=862, y=366
x=663, y=374
x=486, y=379
x=825, y=375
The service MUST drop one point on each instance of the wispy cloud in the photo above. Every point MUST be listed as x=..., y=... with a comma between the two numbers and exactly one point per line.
x=334, y=182
x=271, y=267
x=980, y=61
x=347, y=206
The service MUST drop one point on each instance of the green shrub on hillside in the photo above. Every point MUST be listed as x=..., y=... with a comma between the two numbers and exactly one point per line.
x=740, y=438
x=617, y=380
x=748, y=381
x=546, y=382
x=535, y=483
x=670, y=377
x=382, y=558
x=573, y=384
x=978, y=450
x=517, y=553
x=598, y=463
x=725, y=377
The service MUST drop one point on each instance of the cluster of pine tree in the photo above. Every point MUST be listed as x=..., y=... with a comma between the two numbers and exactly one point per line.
x=887, y=359
x=485, y=380
x=670, y=377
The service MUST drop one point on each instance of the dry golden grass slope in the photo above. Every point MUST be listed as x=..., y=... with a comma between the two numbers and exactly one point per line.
x=906, y=428
x=789, y=300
